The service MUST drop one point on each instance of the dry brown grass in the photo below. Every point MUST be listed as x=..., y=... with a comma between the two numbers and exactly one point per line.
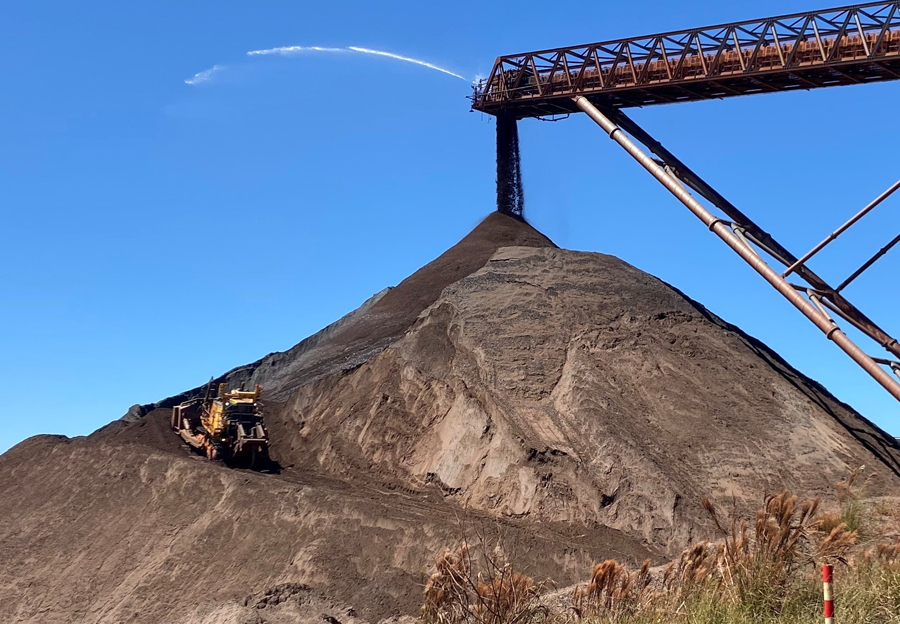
x=613, y=590
x=479, y=585
x=849, y=493
x=765, y=569
x=446, y=598
x=883, y=552
x=758, y=568
x=506, y=598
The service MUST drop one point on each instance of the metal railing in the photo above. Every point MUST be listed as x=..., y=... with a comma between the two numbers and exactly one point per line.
x=847, y=45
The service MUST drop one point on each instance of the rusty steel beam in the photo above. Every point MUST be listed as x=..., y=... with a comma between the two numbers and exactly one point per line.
x=846, y=226
x=757, y=234
x=813, y=308
x=833, y=47
x=868, y=263
x=848, y=45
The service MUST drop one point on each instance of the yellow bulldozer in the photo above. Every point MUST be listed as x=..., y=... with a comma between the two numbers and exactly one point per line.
x=228, y=427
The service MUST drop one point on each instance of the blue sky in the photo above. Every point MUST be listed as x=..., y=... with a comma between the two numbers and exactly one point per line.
x=156, y=233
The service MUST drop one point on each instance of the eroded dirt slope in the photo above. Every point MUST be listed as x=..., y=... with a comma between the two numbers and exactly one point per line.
x=567, y=386
x=107, y=531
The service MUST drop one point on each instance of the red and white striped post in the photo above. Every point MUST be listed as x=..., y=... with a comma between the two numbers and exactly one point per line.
x=827, y=574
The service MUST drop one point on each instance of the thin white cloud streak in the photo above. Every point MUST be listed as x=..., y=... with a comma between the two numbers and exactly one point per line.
x=407, y=60
x=205, y=76
x=292, y=50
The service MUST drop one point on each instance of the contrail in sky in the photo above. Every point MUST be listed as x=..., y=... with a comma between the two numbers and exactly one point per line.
x=290, y=50
x=204, y=76
x=407, y=59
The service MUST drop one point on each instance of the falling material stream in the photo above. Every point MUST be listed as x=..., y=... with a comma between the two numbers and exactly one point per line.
x=510, y=194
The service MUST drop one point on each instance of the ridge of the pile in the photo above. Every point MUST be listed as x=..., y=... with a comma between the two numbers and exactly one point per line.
x=378, y=322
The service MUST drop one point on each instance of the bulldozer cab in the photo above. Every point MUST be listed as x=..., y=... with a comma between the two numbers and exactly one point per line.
x=228, y=426
x=229, y=408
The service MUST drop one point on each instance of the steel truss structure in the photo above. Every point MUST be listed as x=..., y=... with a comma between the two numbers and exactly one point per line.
x=848, y=45
x=858, y=44
x=815, y=298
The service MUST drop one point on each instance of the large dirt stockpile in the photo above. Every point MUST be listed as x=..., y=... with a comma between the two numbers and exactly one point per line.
x=572, y=387
x=581, y=404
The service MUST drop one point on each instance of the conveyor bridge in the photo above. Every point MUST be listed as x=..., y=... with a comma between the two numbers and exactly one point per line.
x=857, y=44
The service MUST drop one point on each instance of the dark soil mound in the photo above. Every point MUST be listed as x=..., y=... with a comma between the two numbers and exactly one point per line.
x=567, y=400
x=382, y=319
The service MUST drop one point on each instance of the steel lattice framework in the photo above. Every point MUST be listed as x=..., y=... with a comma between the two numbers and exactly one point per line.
x=848, y=45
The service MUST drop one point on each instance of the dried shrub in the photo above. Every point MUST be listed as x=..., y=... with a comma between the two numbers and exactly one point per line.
x=849, y=492
x=613, y=590
x=756, y=567
x=885, y=553
x=759, y=570
x=446, y=598
x=480, y=585
x=764, y=569
x=508, y=597
x=691, y=573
